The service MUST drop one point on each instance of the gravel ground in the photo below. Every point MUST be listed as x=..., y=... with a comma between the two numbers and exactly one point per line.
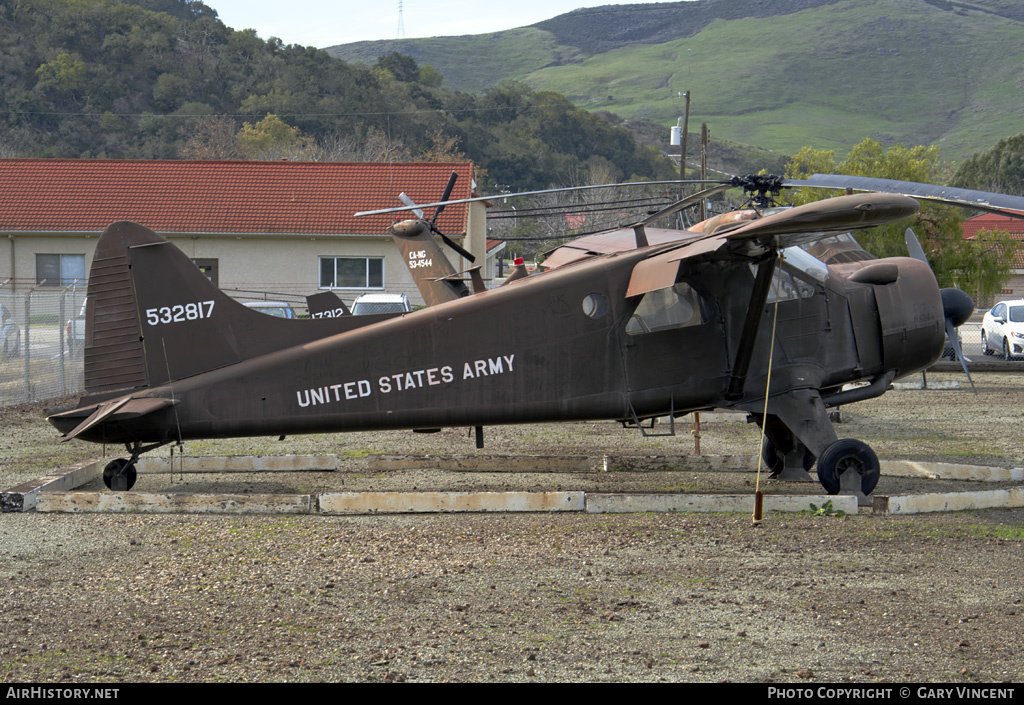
x=646, y=597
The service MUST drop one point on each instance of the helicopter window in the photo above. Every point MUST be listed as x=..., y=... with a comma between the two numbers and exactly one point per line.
x=663, y=309
x=786, y=287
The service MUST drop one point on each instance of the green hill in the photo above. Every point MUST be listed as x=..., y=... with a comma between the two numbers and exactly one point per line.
x=824, y=73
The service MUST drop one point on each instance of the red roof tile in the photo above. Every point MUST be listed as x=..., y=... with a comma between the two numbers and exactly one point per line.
x=56, y=195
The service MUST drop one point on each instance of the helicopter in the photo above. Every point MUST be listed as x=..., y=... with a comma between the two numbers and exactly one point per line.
x=632, y=324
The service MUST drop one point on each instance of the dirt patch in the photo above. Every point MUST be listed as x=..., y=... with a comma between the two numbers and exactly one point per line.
x=800, y=598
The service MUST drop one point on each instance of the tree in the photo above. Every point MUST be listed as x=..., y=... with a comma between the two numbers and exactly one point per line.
x=403, y=68
x=1000, y=169
x=272, y=138
x=979, y=266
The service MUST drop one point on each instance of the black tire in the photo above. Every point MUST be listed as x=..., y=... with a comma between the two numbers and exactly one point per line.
x=1006, y=350
x=848, y=454
x=119, y=475
x=773, y=462
x=984, y=343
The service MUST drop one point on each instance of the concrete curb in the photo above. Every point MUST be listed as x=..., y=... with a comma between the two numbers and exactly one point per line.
x=53, y=493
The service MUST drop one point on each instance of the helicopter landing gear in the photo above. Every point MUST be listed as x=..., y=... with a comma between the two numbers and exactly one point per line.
x=844, y=456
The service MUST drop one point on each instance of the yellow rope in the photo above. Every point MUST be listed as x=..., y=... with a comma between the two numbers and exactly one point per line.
x=764, y=418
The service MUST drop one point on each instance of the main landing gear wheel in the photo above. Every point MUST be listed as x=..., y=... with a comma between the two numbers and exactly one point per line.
x=848, y=454
x=775, y=462
x=119, y=475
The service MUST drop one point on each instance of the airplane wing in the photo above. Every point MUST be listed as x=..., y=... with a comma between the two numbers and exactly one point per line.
x=795, y=226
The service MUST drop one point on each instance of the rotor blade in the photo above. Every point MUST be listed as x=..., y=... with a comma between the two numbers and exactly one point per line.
x=444, y=198
x=454, y=245
x=686, y=203
x=954, y=340
x=409, y=202
x=914, y=247
x=494, y=197
x=1012, y=206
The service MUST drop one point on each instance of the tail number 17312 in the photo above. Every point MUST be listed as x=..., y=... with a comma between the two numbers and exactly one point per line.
x=179, y=313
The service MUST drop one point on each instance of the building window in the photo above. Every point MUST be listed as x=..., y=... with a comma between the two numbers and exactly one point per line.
x=60, y=270
x=351, y=272
x=209, y=268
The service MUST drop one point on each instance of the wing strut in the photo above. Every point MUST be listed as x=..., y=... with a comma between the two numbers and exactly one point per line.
x=755, y=312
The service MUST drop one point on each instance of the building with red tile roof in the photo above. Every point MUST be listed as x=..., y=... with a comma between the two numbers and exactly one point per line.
x=280, y=227
x=1014, y=227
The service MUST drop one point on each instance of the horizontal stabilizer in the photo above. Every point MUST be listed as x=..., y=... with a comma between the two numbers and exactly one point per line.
x=116, y=409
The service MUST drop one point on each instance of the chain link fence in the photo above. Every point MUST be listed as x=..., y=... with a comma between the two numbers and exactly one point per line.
x=41, y=336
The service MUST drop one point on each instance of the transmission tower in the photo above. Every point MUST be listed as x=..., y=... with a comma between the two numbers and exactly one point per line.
x=401, y=22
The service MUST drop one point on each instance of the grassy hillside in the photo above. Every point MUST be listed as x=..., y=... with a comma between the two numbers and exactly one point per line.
x=910, y=71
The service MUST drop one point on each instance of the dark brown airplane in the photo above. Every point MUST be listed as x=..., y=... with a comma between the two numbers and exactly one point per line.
x=630, y=324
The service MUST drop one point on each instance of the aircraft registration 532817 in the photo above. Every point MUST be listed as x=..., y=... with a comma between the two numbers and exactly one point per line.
x=630, y=324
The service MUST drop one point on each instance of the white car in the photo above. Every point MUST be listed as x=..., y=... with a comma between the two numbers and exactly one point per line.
x=380, y=303
x=1002, y=329
x=278, y=309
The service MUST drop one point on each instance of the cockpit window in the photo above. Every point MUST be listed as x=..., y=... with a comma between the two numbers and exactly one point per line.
x=663, y=309
x=788, y=286
x=806, y=263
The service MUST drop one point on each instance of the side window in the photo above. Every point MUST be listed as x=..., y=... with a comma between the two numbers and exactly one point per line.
x=663, y=309
x=786, y=286
x=351, y=272
x=999, y=311
x=60, y=270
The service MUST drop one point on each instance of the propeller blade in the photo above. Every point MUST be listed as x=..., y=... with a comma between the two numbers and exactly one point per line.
x=957, y=305
x=914, y=247
x=954, y=340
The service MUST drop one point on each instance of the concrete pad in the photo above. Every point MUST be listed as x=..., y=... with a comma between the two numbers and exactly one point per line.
x=153, y=503
x=951, y=471
x=483, y=463
x=694, y=463
x=25, y=496
x=417, y=502
x=950, y=501
x=741, y=504
x=237, y=463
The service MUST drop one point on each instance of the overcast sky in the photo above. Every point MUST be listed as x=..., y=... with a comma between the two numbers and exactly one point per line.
x=323, y=23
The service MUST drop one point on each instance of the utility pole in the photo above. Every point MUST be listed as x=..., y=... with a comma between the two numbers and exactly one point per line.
x=682, y=157
x=703, y=164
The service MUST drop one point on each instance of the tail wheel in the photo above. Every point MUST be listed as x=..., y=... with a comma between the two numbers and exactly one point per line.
x=119, y=475
x=844, y=455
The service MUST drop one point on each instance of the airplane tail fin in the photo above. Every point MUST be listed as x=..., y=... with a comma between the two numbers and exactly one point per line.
x=434, y=275
x=153, y=317
x=326, y=304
